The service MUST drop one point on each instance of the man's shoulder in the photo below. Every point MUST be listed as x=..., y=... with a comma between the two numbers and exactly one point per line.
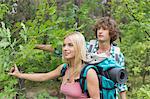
x=92, y=45
x=116, y=49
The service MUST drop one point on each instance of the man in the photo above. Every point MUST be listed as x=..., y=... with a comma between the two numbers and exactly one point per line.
x=106, y=32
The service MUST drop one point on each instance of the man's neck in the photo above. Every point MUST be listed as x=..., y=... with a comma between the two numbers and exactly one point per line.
x=104, y=46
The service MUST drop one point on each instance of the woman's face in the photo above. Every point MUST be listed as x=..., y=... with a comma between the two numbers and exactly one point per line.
x=103, y=35
x=68, y=49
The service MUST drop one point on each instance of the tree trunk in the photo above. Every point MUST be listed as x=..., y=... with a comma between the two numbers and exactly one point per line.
x=77, y=3
x=107, y=10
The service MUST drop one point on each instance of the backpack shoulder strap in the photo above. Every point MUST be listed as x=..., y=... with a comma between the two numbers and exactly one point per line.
x=63, y=70
x=83, y=82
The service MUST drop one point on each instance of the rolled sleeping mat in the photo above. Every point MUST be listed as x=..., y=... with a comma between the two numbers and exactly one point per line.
x=118, y=75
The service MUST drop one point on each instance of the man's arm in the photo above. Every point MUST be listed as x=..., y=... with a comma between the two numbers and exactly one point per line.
x=122, y=87
x=123, y=95
x=43, y=47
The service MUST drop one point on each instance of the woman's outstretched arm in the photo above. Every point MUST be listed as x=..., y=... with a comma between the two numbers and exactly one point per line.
x=36, y=76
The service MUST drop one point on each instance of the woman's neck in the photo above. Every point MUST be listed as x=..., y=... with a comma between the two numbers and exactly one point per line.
x=73, y=70
x=71, y=63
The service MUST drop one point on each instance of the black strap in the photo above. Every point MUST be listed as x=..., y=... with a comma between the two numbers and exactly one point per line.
x=104, y=73
x=100, y=86
x=108, y=88
x=77, y=80
x=82, y=78
x=63, y=70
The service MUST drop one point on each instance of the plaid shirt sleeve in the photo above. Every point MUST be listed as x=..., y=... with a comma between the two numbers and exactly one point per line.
x=121, y=87
x=94, y=47
x=121, y=59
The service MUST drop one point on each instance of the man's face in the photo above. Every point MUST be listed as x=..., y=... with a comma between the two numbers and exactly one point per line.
x=103, y=35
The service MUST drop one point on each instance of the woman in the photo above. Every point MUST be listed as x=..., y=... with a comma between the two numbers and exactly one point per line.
x=74, y=55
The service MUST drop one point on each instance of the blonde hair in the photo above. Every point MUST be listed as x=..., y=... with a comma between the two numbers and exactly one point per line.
x=79, y=45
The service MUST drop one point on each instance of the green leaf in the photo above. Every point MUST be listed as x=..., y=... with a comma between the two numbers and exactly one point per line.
x=4, y=43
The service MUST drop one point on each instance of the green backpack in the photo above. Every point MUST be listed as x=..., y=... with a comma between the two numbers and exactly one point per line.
x=109, y=73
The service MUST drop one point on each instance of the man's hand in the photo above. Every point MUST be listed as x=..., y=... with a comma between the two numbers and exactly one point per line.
x=123, y=95
x=43, y=47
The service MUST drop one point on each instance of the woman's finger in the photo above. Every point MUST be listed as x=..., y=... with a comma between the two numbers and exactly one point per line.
x=12, y=69
x=16, y=68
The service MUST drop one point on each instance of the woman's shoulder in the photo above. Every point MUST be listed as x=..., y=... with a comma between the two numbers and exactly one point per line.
x=61, y=66
x=91, y=73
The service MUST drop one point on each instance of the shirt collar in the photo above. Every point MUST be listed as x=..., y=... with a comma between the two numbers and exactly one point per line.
x=111, y=47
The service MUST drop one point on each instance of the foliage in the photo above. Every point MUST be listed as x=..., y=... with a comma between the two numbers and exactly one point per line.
x=134, y=14
x=45, y=95
x=142, y=92
x=6, y=56
x=3, y=10
x=19, y=48
x=133, y=17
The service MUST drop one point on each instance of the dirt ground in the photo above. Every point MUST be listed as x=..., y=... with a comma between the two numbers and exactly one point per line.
x=42, y=90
